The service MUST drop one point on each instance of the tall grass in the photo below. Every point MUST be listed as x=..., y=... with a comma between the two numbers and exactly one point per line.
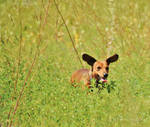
x=37, y=59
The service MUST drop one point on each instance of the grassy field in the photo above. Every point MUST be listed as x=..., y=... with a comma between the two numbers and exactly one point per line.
x=37, y=58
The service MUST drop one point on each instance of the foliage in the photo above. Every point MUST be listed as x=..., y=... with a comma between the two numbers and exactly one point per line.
x=33, y=30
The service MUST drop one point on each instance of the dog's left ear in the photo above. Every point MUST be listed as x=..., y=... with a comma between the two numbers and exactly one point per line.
x=112, y=58
x=89, y=59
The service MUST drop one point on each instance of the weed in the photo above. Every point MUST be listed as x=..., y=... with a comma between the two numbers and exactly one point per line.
x=37, y=58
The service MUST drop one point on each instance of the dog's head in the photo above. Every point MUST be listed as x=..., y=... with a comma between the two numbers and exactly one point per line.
x=100, y=69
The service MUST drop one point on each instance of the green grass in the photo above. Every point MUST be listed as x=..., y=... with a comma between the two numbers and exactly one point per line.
x=48, y=100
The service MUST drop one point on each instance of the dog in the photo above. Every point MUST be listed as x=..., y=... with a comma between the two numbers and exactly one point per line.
x=99, y=71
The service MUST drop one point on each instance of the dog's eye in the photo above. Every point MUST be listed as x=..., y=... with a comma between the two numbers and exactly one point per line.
x=98, y=68
x=107, y=68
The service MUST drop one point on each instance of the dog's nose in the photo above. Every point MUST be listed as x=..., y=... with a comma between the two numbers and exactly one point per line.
x=105, y=75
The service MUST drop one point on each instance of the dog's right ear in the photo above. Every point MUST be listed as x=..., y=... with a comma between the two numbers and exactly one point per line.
x=112, y=59
x=89, y=59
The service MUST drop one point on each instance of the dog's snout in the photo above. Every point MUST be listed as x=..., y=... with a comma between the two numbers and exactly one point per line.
x=105, y=75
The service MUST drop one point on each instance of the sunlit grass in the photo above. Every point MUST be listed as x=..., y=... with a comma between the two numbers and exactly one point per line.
x=48, y=98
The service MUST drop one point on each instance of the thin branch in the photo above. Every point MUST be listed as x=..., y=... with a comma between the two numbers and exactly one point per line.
x=19, y=60
x=19, y=57
x=22, y=90
x=9, y=116
x=73, y=44
x=32, y=65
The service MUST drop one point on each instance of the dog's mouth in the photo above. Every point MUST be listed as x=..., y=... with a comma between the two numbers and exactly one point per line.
x=103, y=80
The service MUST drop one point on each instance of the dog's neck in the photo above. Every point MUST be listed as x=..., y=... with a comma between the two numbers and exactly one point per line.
x=91, y=74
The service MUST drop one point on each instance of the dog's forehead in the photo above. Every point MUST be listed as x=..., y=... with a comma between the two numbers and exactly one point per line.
x=101, y=63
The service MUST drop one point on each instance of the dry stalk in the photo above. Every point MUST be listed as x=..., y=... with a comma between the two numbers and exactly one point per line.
x=31, y=67
x=73, y=44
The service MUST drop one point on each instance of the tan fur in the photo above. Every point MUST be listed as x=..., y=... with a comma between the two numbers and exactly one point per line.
x=99, y=70
x=81, y=75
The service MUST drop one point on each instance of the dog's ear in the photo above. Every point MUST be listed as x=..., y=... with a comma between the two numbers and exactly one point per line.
x=112, y=58
x=89, y=59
